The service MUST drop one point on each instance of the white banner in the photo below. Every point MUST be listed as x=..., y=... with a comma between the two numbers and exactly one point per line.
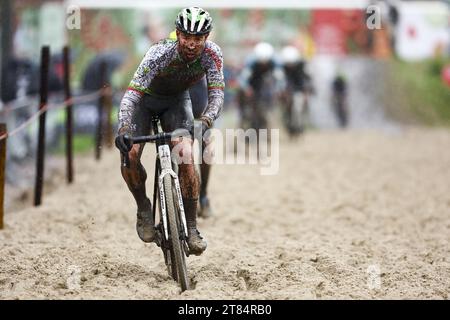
x=422, y=29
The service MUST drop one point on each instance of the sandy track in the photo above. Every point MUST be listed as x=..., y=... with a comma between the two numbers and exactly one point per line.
x=342, y=203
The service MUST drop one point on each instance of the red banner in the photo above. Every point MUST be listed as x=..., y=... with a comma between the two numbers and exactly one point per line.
x=328, y=32
x=332, y=30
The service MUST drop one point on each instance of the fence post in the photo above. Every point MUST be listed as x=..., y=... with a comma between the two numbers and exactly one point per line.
x=69, y=121
x=100, y=107
x=45, y=57
x=2, y=172
x=109, y=135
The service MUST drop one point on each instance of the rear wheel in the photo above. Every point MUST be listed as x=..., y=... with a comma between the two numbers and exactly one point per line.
x=177, y=256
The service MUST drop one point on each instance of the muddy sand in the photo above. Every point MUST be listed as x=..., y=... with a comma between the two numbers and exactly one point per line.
x=350, y=215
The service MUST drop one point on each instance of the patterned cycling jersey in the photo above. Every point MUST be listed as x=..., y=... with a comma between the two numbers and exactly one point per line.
x=163, y=72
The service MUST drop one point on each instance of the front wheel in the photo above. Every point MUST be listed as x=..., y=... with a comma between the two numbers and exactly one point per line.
x=177, y=252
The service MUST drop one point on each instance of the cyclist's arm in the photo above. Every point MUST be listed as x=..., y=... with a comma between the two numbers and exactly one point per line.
x=136, y=89
x=213, y=64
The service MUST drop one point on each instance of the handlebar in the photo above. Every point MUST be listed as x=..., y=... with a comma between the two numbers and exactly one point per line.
x=163, y=137
x=160, y=137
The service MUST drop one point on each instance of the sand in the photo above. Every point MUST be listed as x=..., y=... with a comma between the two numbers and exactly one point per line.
x=350, y=215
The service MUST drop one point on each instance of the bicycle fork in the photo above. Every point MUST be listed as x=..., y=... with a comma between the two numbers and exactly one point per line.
x=166, y=169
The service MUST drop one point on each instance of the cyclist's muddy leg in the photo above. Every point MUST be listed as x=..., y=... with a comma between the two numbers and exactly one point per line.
x=135, y=177
x=205, y=165
x=190, y=191
x=205, y=169
x=189, y=180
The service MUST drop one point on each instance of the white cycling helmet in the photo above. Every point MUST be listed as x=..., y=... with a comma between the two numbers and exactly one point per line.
x=194, y=20
x=290, y=54
x=263, y=51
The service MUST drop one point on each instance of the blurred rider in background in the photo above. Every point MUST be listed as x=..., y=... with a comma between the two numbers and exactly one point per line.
x=259, y=81
x=297, y=91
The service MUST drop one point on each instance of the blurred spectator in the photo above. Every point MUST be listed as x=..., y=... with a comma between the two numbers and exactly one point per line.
x=340, y=107
x=21, y=78
x=92, y=79
x=86, y=114
x=393, y=18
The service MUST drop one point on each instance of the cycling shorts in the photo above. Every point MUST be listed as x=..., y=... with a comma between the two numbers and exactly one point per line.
x=174, y=112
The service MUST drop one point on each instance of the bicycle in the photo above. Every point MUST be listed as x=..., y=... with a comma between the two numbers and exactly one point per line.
x=254, y=110
x=171, y=230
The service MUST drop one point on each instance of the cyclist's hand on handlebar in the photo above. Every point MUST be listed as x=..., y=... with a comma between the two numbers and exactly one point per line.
x=206, y=124
x=204, y=128
x=123, y=142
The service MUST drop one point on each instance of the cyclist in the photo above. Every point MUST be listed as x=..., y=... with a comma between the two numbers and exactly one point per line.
x=160, y=87
x=258, y=81
x=199, y=99
x=297, y=81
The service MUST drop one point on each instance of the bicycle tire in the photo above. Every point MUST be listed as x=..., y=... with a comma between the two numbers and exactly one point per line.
x=179, y=262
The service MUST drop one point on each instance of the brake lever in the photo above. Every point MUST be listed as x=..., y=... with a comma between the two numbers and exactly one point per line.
x=125, y=155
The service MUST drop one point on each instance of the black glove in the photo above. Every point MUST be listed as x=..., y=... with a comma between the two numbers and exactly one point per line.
x=123, y=143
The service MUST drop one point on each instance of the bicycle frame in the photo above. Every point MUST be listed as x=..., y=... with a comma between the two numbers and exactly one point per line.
x=165, y=166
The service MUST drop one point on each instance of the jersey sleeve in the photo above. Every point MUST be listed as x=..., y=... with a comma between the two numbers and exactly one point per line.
x=213, y=65
x=139, y=85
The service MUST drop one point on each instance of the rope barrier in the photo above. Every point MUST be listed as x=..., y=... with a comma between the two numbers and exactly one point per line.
x=64, y=104
x=18, y=104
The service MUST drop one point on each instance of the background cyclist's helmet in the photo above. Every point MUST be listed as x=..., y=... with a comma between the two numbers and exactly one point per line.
x=173, y=35
x=290, y=54
x=194, y=20
x=263, y=51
